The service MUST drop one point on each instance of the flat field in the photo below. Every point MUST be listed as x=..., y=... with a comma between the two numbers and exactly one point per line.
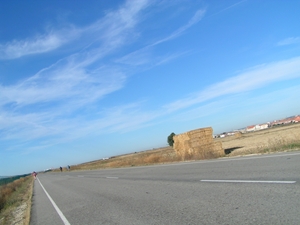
x=279, y=138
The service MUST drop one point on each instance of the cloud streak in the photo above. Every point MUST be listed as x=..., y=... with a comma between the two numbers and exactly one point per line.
x=110, y=30
x=289, y=41
x=229, y=7
x=195, y=19
x=37, y=45
x=71, y=76
x=251, y=79
x=59, y=93
x=144, y=55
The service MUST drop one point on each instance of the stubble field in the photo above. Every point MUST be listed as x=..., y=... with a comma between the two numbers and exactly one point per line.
x=280, y=138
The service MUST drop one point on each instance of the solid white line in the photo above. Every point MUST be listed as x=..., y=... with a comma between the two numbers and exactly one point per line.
x=63, y=218
x=112, y=177
x=250, y=181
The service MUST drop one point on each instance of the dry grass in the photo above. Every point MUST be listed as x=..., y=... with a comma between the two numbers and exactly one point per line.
x=28, y=201
x=275, y=139
x=15, y=201
x=157, y=156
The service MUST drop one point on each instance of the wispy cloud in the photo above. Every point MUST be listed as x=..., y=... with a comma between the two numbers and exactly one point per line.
x=116, y=27
x=73, y=75
x=36, y=45
x=289, y=41
x=251, y=79
x=229, y=7
x=109, y=29
x=145, y=56
x=43, y=102
x=195, y=19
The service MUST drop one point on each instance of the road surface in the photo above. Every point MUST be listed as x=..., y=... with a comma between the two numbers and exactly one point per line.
x=243, y=190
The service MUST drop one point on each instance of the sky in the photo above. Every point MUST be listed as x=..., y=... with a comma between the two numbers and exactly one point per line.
x=81, y=81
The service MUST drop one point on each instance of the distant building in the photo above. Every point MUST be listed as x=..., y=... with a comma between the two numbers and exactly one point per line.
x=296, y=119
x=257, y=127
x=291, y=119
x=262, y=126
x=250, y=128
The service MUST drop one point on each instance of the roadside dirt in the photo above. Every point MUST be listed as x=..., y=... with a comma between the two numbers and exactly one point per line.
x=19, y=214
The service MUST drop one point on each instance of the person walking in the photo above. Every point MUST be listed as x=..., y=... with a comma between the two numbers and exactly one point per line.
x=60, y=169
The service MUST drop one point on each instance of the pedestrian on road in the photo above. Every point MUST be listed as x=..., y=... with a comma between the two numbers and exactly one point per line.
x=34, y=174
x=68, y=167
x=60, y=169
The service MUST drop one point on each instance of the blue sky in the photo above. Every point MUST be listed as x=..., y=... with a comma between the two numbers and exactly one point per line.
x=82, y=81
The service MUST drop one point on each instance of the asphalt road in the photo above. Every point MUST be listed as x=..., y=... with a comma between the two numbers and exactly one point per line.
x=245, y=190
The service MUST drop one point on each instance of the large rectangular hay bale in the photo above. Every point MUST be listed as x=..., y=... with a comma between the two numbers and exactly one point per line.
x=196, y=141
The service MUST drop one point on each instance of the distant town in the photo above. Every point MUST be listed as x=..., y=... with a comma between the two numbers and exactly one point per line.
x=257, y=127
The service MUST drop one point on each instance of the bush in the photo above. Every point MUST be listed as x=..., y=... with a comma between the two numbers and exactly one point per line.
x=170, y=139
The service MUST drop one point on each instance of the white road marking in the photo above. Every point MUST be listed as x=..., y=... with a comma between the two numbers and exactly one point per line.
x=251, y=181
x=112, y=177
x=63, y=218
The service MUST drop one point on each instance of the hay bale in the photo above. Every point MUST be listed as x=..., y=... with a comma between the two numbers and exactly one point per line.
x=199, y=141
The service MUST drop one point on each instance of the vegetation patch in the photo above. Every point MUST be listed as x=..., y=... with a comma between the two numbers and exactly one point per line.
x=15, y=201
